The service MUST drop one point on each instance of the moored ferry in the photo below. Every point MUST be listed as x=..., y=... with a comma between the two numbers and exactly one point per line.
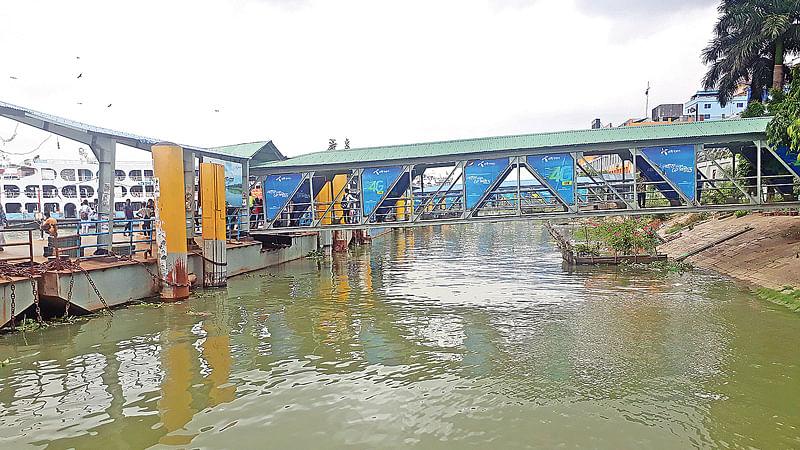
x=60, y=186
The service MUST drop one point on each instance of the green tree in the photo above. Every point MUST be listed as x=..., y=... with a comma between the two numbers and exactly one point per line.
x=751, y=40
x=784, y=128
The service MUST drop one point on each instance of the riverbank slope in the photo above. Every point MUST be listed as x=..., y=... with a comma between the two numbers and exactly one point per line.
x=766, y=256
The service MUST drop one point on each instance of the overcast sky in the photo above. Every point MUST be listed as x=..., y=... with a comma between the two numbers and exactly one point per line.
x=379, y=72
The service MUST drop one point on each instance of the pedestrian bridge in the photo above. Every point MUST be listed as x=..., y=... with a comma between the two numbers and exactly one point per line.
x=676, y=167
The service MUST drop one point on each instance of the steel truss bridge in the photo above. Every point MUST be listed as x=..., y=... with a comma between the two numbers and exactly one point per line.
x=683, y=167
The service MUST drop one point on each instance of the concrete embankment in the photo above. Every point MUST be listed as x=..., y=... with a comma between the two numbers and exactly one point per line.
x=766, y=256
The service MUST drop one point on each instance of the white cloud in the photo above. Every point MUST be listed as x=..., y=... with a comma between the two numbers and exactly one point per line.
x=299, y=72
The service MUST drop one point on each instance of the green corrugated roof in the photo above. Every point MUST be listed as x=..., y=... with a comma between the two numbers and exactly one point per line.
x=257, y=152
x=590, y=137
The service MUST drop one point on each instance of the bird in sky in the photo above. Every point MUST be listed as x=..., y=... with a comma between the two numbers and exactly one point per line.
x=216, y=110
x=12, y=77
x=77, y=57
x=80, y=75
x=109, y=105
x=80, y=103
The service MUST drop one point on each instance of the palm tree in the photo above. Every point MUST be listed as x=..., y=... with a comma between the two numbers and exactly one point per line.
x=751, y=38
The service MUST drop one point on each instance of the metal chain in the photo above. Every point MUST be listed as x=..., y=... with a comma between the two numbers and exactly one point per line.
x=13, y=303
x=69, y=293
x=96, y=291
x=36, y=300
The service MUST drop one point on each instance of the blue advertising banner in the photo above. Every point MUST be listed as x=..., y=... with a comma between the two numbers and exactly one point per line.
x=375, y=183
x=557, y=170
x=677, y=163
x=792, y=159
x=277, y=189
x=233, y=181
x=479, y=175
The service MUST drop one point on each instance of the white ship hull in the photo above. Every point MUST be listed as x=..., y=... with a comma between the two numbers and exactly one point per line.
x=60, y=186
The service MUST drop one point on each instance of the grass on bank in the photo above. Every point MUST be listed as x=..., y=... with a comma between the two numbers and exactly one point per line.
x=787, y=296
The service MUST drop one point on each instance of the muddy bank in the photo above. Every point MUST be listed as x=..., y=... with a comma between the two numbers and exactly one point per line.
x=766, y=256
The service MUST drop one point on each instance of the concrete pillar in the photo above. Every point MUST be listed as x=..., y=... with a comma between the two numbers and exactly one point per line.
x=340, y=241
x=105, y=150
x=170, y=221
x=212, y=188
x=188, y=184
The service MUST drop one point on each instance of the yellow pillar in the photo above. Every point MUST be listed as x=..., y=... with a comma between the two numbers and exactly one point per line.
x=212, y=188
x=170, y=220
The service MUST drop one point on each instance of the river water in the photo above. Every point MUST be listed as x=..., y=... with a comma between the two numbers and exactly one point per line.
x=440, y=337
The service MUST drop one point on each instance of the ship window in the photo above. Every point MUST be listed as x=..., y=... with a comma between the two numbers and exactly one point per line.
x=31, y=207
x=69, y=191
x=70, y=210
x=118, y=206
x=49, y=191
x=48, y=174
x=13, y=208
x=136, y=191
x=119, y=175
x=120, y=191
x=11, y=191
x=84, y=174
x=136, y=175
x=52, y=207
x=31, y=191
x=68, y=174
x=87, y=191
x=148, y=175
x=149, y=190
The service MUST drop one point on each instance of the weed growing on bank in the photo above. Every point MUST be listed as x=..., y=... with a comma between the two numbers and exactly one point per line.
x=787, y=296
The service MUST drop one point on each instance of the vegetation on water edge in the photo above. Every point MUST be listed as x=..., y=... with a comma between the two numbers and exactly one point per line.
x=316, y=254
x=658, y=266
x=740, y=213
x=787, y=296
x=626, y=236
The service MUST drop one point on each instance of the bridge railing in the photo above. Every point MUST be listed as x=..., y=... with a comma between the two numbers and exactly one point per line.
x=631, y=181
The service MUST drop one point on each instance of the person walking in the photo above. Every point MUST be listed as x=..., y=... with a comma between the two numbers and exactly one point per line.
x=84, y=212
x=38, y=217
x=128, y=210
x=3, y=224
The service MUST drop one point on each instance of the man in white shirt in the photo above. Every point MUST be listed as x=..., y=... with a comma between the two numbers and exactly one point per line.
x=84, y=212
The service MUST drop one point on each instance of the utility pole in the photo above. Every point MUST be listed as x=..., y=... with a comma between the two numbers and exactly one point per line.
x=647, y=102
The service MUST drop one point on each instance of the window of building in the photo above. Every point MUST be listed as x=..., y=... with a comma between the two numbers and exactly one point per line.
x=740, y=105
x=69, y=192
x=11, y=191
x=86, y=192
x=706, y=116
x=68, y=174
x=84, y=174
x=49, y=191
x=32, y=191
x=707, y=106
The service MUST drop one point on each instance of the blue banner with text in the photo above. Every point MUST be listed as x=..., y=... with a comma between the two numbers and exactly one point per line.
x=277, y=189
x=678, y=164
x=558, y=171
x=375, y=183
x=479, y=175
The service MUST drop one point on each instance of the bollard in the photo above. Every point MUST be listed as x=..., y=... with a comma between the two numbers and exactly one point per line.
x=212, y=188
x=170, y=220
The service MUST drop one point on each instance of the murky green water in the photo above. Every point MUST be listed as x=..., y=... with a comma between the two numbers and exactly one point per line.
x=434, y=337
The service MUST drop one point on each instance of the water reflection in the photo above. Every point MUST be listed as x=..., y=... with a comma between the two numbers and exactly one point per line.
x=446, y=334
